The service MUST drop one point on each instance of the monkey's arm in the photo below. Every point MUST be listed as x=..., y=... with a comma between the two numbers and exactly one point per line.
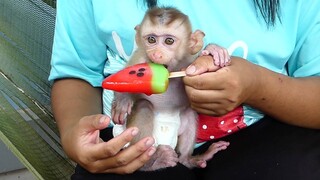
x=121, y=107
x=219, y=54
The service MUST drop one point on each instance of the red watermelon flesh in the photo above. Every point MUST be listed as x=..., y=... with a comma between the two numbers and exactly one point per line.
x=148, y=78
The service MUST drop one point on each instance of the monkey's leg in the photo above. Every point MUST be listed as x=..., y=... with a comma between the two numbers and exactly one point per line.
x=201, y=160
x=187, y=135
x=187, y=139
x=164, y=157
x=142, y=117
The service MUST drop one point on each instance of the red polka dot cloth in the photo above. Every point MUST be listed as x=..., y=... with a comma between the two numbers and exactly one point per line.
x=211, y=127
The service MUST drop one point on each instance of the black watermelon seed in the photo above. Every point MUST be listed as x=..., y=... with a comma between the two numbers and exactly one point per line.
x=132, y=72
x=140, y=74
x=142, y=69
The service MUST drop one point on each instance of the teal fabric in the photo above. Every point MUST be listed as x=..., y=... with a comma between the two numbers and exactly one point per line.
x=80, y=48
x=82, y=45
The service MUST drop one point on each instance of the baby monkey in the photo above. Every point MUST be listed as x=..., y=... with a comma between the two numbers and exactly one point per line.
x=165, y=37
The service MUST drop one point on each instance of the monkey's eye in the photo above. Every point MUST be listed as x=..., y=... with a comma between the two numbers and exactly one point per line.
x=169, y=41
x=152, y=40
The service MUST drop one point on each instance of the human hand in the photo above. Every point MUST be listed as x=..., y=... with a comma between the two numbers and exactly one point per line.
x=83, y=145
x=216, y=91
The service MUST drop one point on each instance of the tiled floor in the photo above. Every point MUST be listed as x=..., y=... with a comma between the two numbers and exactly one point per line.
x=22, y=174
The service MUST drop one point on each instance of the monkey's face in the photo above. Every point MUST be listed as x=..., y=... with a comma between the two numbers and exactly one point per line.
x=161, y=49
x=163, y=43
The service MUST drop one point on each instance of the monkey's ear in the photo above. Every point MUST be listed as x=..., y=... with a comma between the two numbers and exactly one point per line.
x=137, y=28
x=196, y=41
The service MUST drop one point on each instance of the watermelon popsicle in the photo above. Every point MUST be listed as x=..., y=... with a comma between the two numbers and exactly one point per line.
x=148, y=78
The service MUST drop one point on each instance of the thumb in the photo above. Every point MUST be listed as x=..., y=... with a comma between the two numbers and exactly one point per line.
x=201, y=65
x=95, y=122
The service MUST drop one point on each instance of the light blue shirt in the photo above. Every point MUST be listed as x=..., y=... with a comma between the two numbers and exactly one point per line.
x=85, y=28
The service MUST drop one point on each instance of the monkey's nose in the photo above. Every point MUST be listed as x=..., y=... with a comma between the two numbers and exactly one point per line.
x=157, y=56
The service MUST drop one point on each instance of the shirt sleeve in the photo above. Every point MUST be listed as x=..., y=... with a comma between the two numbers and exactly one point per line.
x=77, y=52
x=305, y=61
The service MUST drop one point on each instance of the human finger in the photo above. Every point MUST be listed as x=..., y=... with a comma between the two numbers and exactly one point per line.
x=89, y=126
x=94, y=122
x=201, y=65
x=206, y=81
x=130, y=158
x=212, y=109
x=204, y=96
x=114, y=145
x=133, y=165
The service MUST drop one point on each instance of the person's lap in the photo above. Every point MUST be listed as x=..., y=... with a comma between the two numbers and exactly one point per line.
x=266, y=150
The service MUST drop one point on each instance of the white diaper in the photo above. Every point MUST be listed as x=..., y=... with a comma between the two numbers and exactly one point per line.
x=165, y=131
x=166, y=128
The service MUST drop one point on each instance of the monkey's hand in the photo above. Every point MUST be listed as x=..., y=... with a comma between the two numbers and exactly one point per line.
x=164, y=157
x=200, y=161
x=121, y=107
x=219, y=54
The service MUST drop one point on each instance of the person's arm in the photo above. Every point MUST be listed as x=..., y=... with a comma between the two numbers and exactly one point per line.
x=77, y=109
x=73, y=99
x=78, y=59
x=295, y=101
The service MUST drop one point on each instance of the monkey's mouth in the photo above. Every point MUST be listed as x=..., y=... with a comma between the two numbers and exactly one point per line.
x=168, y=67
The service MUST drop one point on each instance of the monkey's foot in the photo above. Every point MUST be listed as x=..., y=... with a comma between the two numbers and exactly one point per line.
x=164, y=157
x=200, y=161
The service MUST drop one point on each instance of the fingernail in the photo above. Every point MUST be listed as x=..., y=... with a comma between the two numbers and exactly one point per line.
x=134, y=131
x=151, y=151
x=102, y=120
x=149, y=142
x=191, y=69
